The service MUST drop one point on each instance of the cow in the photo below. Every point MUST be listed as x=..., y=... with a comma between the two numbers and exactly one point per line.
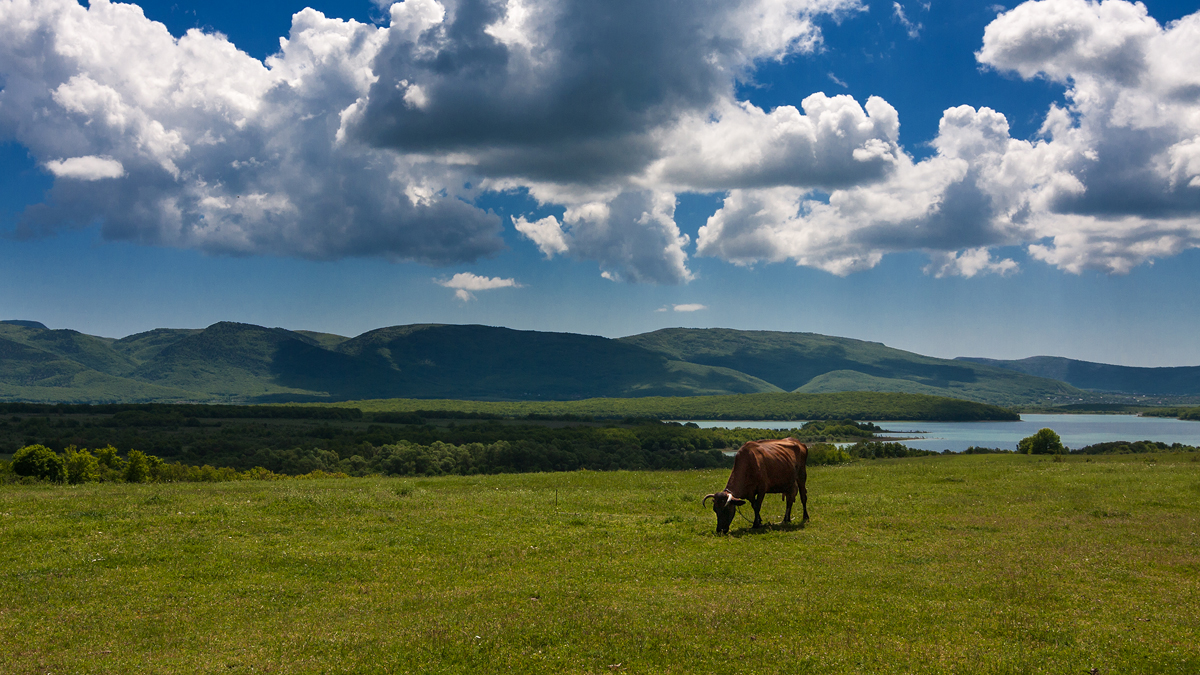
x=761, y=468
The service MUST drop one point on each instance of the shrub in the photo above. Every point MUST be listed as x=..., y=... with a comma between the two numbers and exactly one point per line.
x=827, y=453
x=1044, y=442
x=38, y=461
x=259, y=473
x=882, y=450
x=1132, y=447
x=979, y=450
x=137, y=467
x=108, y=457
x=82, y=467
x=322, y=474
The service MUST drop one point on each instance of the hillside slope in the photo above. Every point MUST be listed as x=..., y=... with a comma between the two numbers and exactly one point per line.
x=244, y=363
x=234, y=362
x=807, y=362
x=1172, y=381
x=451, y=361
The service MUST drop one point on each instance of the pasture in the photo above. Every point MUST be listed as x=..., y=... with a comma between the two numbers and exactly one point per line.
x=964, y=564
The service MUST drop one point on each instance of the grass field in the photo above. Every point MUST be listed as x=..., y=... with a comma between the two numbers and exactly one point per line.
x=858, y=405
x=964, y=564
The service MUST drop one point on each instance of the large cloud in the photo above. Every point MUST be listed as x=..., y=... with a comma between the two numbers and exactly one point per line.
x=632, y=235
x=190, y=142
x=361, y=140
x=1112, y=182
x=597, y=107
x=566, y=90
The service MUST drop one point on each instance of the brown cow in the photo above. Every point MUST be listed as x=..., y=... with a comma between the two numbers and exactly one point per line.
x=761, y=468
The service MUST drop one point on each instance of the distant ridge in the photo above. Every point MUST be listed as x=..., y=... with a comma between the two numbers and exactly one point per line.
x=812, y=363
x=1167, y=381
x=230, y=362
x=25, y=324
x=243, y=363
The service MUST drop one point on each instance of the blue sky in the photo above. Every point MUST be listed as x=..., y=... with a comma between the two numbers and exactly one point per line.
x=612, y=168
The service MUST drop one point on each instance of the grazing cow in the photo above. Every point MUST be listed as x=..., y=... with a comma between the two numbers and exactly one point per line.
x=761, y=468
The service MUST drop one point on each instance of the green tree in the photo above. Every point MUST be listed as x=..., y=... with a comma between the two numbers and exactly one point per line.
x=137, y=467
x=112, y=467
x=157, y=468
x=82, y=467
x=109, y=458
x=39, y=461
x=1044, y=442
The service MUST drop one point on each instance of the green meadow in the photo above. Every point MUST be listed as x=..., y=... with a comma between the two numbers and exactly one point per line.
x=945, y=564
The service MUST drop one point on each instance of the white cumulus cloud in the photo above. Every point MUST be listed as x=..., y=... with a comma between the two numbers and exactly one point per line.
x=203, y=146
x=364, y=140
x=466, y=283
x=547, y=233
x=88, y=167
x=1111, y=183
x=968, y=263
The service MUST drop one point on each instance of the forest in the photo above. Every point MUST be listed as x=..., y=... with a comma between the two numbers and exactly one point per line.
x=294, y=440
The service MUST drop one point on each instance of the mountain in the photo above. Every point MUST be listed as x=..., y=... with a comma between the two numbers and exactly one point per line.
x=244, y=363
x=812, y=363
x=234, y=362
x=448, y=361
x=1170, y=381
x=38, y=364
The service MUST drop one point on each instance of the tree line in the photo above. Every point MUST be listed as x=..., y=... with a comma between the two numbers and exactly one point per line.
x=299, y=445
x=426, y=450
x=106, y=465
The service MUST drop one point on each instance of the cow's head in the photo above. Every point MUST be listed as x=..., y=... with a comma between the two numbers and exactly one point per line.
x=725, y=506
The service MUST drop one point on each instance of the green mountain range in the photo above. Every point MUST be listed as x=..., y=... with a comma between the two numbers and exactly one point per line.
x=817, y=364
x=1169, y=381
x=243, y=363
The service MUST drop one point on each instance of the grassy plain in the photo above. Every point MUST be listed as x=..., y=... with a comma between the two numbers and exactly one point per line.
x=858, y=405
x=964, y=564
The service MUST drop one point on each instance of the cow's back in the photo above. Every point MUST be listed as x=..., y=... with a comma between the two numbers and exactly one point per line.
x=776, y=462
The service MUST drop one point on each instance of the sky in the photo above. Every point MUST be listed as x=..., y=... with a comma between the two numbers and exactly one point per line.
x=954, y=179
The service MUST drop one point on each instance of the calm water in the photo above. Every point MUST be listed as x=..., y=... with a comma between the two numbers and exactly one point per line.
x=1076, y=431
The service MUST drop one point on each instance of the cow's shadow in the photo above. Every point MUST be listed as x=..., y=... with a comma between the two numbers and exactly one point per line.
x=767, y=527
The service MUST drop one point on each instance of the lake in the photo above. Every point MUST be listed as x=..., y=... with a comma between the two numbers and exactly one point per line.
x=1076, y=431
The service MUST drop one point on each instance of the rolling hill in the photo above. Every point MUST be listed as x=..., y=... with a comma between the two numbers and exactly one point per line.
x=1171, y=381
x=233, y=362
x=812, y=363
x=243, y=363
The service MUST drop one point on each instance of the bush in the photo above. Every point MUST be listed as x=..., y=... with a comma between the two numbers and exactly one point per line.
x=82, y=467
x=820, y=454
x=109, y=458
x=1132, y=447
x=137, y=467
x=882, y=450
x=1044, y=442
x=38, y=461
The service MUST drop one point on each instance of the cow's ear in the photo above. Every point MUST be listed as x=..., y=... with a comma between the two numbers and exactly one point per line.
x=737, y=502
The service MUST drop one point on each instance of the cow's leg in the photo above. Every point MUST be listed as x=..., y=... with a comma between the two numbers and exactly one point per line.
x=790, y=496
x=757, y=501
x=804, y=492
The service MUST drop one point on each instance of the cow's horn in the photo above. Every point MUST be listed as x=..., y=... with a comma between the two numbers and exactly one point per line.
x=706, y=498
